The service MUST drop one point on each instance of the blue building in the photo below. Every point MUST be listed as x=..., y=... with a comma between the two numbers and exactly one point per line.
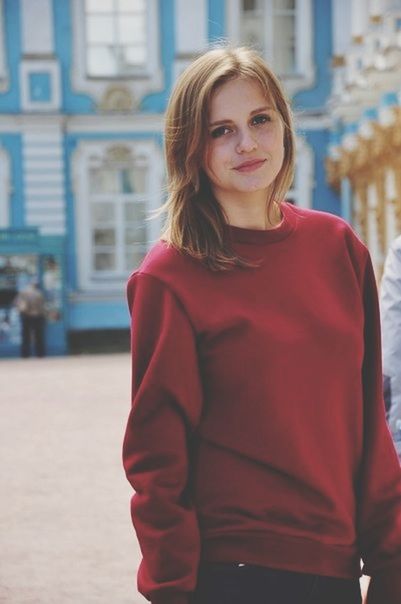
x=83, y=88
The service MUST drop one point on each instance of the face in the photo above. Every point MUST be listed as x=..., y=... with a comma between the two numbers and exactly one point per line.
x=245, y=148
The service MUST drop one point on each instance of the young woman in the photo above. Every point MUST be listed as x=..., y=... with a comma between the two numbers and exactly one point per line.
x=257, y=445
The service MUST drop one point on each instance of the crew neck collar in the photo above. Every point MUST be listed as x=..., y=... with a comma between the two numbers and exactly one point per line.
x=262, y=236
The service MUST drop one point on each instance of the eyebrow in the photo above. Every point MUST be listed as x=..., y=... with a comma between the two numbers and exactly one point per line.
x=227, y=121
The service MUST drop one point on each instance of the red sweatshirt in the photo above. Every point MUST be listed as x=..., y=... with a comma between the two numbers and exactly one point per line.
x=257, y=432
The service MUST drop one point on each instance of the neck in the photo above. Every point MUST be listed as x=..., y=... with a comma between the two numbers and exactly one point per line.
x=255, y=218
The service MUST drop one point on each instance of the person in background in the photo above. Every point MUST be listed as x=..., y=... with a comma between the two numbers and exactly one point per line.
x=31, y=304
x=390, y=305
x=257, y=443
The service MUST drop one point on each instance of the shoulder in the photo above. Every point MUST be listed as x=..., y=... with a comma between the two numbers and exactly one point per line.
x=166, y=265
x=323, y=220
x=327, y=228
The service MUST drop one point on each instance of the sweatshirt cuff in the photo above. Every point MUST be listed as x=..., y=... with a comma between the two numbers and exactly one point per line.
x=177, y=598
x=385, y=586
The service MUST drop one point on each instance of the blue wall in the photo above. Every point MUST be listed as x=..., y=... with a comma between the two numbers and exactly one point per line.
x=156, y=103
x=72, y=102
x=317, y=96
x=324, y=198
x=217, y=19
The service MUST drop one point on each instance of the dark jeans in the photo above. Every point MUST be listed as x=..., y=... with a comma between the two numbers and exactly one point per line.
x=33, y=328
x=222, y=583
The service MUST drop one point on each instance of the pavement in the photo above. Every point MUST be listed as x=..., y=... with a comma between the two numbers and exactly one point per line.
x=65, y=529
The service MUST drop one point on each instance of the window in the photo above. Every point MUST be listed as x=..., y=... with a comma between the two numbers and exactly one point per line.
x=118, y=227
x=116, y=37
x=117, y=185
x=116, y=44
x=271, y=28
x=282, y=31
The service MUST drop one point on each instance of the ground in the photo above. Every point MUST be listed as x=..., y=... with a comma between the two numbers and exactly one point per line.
x=66, y=533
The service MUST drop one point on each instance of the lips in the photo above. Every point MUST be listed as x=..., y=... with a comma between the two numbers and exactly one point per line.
x=250, y=166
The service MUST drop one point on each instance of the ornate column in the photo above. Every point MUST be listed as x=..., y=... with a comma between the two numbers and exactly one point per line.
x=361, y=208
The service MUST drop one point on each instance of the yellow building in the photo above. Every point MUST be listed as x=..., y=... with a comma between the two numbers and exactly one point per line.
x=364, y=161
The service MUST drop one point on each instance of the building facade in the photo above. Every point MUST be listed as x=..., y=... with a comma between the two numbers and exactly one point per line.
x=83, y=89
x=364, y=154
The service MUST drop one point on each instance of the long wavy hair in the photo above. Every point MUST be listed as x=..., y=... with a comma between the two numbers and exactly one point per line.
x=195, y=221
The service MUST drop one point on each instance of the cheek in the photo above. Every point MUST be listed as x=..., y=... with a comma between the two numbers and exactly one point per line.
x=214, y=160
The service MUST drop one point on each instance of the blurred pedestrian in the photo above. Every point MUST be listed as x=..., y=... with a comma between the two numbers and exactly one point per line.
x=390, y=303
x=30, y=302
x=257, y=443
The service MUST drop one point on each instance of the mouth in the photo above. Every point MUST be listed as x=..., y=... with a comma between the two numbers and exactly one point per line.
x=250, y=166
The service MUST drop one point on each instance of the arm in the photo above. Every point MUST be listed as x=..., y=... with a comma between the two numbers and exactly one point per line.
x=166, y=406
x=379, y=487
x=390, y=302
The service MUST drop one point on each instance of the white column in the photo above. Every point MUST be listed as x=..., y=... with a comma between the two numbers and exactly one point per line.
x=373, y=240
x=376, y=7
x=190, y=26
x=391, y=196
x=359, y=17
x=341, y=24
x=37, y=27
x=191, y=35
x=4, y=189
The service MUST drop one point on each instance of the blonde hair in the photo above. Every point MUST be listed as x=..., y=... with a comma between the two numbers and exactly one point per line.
x=195, y=221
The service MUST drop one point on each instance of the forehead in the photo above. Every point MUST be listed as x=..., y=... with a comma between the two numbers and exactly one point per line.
x=239, y=94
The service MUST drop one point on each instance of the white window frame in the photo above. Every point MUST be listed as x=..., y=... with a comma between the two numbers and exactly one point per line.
x=4, y=76
x=5, y=188
x=141, y=83
x=151, y=154
x=305, y=76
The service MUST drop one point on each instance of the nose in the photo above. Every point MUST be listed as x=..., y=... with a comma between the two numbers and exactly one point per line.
x=246, y=141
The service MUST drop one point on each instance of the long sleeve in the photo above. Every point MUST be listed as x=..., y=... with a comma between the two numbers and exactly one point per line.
x=390, y=302
x=379, y=496
x=166, y=407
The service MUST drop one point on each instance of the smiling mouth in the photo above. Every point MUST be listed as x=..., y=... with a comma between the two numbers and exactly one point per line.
x=250, y=166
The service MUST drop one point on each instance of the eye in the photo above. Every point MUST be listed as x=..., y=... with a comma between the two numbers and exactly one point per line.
x=261, y=119
x=220, y=131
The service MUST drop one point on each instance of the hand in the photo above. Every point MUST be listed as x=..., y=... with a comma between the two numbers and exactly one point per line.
x=364, y=587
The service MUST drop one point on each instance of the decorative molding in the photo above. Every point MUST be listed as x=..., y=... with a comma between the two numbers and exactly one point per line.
x=376, y=19
x=118, y=98
x=338, y=61
x=44, y=183
x=44, y=67
x=129, y=124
